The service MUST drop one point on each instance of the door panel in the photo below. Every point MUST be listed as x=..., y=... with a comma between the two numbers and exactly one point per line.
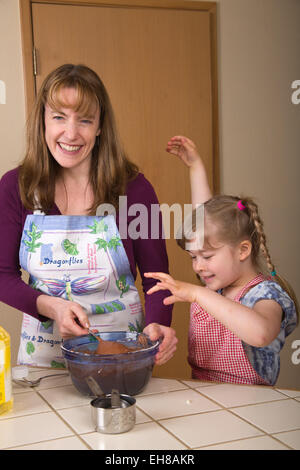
x=156, y=65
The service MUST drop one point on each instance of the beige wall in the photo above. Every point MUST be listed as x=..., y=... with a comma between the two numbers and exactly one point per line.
x=12, y=122
x=258, y=59
x=258, y=49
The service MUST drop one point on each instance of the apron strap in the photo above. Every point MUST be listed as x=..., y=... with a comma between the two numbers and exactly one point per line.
x=37, y=211
x=259, y=278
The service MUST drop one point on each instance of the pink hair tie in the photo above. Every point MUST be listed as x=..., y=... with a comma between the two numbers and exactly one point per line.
x=241, y=205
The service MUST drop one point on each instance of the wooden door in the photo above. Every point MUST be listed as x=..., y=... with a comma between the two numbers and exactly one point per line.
x=157, y=61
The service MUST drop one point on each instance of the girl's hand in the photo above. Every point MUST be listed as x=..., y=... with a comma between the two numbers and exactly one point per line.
x=70, y=317
x=182, y=291
x=167, y=347
x=185, y=149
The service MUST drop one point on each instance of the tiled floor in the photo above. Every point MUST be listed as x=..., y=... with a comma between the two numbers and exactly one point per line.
x=171, y=414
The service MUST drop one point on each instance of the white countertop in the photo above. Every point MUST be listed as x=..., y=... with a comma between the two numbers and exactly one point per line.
x=171, y=414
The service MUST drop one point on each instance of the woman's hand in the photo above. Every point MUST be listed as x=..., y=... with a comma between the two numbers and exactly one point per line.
x=167, y=347
x=182, y=291
x=70, y=317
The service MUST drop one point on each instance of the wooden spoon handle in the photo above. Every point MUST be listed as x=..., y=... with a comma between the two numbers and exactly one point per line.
x=92, y=332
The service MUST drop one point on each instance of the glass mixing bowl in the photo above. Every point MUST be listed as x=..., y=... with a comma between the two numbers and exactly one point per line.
x=129, y=372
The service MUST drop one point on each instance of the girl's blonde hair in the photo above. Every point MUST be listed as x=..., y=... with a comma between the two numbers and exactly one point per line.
x=235, y=225
x=110, y=168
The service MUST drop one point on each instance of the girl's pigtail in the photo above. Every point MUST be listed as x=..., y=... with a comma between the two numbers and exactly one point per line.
x=259, y=228
x=257, y=222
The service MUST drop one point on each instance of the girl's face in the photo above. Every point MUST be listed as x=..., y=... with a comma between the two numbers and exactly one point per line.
x=217, y=267
x=70, y=136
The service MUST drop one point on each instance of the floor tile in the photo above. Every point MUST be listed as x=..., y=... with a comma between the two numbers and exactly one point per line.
x=177, y=403
x=289, y=393
x=16, y=388
x=283, y=415
x=212, y=428
x=230, y=395
x=291, y=438
x=67, y=443
x=141, y=417
x=64, y=397
x=26, y=404
x=254, y=443
x=148, y=436
x=157, y=385
x=79, y=418
x=197, y=383
x=29, y=429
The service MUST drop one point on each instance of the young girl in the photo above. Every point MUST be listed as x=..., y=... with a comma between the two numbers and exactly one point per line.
x=240, y=319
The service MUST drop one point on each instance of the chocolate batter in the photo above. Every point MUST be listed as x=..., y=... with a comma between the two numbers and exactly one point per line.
x=112, y=347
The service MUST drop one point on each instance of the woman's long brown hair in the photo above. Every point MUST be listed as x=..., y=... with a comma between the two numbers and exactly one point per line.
x=110, y=168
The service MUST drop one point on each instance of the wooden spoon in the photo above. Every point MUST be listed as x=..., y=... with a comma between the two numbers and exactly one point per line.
x=109, y=347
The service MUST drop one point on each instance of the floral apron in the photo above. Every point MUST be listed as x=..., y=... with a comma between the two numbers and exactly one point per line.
x=215, y=353
x=82, y=259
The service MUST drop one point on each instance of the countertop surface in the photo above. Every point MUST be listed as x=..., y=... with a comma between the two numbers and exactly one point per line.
x=171, y=414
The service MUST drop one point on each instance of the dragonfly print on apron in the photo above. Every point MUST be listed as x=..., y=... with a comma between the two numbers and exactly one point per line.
x=81, y=259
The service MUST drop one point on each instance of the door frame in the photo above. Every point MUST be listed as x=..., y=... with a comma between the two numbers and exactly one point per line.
x=30, y=59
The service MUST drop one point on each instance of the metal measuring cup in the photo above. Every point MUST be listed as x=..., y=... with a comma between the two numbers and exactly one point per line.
x=112, y=413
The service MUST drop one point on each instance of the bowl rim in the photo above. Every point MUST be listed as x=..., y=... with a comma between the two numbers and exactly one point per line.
x=80, y=354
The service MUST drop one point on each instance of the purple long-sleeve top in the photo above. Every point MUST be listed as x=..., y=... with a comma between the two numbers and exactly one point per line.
x=147, y=255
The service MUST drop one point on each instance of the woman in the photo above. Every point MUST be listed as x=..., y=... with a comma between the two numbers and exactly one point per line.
x=81, y=272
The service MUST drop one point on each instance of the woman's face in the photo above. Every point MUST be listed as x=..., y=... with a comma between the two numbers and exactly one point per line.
x=70, y=136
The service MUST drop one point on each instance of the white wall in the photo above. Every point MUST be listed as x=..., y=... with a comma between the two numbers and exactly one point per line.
x=258, y=54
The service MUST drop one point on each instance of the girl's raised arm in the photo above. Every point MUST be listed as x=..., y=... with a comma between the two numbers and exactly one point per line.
x=186, y=150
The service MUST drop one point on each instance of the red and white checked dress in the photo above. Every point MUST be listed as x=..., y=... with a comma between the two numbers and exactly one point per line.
x=215, y=353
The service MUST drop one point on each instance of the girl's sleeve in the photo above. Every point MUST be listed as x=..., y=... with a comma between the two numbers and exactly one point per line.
x=13, y=290
x=270, y=290
x=150, y=252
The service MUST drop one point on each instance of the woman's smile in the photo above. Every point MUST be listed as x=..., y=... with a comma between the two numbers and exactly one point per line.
x=67, y=148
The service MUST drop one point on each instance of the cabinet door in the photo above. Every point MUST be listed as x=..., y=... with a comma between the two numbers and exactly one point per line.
x=158, y=64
